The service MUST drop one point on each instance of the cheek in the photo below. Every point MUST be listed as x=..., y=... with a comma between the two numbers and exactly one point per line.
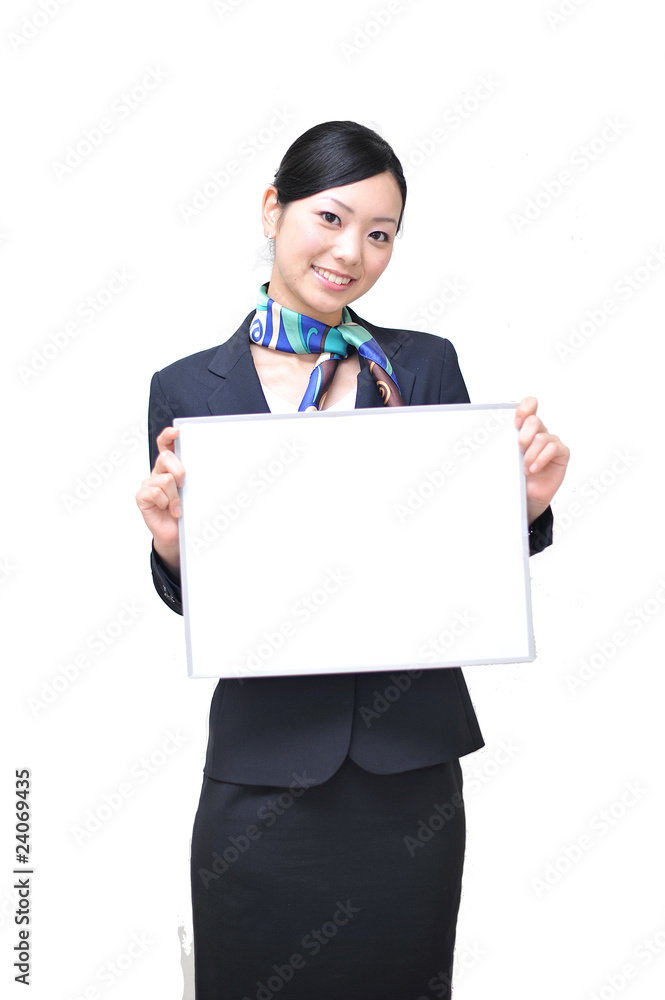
x=310, y=246
x=378, y=265
x=302, y=251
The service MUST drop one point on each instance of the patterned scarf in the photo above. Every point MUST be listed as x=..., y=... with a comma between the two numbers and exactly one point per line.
x=283, y=329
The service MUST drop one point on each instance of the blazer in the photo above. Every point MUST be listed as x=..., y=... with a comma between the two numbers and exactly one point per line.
x=282, y=730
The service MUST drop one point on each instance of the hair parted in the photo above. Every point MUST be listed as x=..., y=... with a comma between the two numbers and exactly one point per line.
x=333, y=154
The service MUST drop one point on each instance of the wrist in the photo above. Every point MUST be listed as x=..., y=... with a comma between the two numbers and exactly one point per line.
x=534, y=510
x=169, y=555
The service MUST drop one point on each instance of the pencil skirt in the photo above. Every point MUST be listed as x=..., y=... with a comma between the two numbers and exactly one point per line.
x=334, y=891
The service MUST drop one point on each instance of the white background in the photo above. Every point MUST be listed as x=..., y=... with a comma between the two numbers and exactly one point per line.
x=535, y=90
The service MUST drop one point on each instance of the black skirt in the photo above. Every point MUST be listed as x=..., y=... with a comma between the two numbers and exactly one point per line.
x=347, y=889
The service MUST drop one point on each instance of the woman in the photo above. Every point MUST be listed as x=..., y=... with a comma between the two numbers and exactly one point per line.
x=329, y=839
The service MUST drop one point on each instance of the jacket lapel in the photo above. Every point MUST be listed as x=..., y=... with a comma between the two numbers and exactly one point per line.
x=239, y=389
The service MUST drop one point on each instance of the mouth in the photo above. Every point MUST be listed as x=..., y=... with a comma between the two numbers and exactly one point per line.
x=332, y=278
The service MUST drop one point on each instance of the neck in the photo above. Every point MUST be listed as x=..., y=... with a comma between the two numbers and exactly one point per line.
x=328, y=319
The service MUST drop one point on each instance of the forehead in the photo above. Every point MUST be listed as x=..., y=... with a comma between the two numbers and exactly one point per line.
x=377, y=196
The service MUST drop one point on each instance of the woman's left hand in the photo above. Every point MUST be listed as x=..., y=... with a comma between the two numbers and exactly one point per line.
x=545, y=458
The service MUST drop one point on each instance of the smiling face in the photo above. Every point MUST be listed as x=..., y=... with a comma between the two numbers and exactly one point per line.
x=332, y=247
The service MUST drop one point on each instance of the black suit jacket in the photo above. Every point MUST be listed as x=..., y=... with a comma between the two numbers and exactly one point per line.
x=273, y=730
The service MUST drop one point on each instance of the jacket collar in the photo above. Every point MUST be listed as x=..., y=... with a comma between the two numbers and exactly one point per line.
x=239, y=389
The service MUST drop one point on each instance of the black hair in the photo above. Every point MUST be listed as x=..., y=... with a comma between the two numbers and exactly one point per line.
x=333, y=154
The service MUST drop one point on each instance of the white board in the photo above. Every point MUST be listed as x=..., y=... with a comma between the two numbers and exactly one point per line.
x=353, y=540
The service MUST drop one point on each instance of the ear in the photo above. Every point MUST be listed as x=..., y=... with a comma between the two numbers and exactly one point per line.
x=271, y=211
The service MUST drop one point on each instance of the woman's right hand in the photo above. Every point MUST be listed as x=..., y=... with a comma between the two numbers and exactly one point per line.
x=159, y=502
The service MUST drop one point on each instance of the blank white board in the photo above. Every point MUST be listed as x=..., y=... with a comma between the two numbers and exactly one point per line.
x=353, y=540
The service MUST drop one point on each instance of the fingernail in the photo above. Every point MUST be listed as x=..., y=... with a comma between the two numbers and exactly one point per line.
x=177, y=510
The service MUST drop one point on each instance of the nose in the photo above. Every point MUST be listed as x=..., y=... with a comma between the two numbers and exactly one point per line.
x=348, y=247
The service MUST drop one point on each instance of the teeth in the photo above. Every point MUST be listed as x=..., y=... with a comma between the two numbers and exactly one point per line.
x=338, y=280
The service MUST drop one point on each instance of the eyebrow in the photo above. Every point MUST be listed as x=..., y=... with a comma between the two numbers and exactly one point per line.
x=377, y=218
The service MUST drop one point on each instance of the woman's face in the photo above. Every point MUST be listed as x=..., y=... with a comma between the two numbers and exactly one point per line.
x=330, y=248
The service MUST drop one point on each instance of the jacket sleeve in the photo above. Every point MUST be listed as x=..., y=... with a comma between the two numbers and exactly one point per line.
x=540, y=532
x=160, y=415
x=166, y=584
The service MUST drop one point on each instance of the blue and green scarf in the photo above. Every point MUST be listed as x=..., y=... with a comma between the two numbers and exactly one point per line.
x=283, y=329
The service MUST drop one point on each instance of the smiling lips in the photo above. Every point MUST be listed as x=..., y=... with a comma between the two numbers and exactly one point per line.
x=332, y=277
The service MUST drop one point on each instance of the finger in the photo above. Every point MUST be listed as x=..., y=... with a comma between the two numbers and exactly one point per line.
x=150, y=496
x=525, y=409
x=166, y=438
x=167, y=483
x=168, y=462
x=539, y=455
x=160, y=491
x=547, y=449
x=532, y=426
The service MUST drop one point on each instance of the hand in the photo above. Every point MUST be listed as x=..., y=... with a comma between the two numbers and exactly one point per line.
x=158, y=499
x=545, y=458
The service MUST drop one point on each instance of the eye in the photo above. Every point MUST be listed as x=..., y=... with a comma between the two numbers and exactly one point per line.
x=330, y=217
x=380, y=237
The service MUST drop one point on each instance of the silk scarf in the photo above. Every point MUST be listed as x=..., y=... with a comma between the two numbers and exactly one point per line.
x=283, y=329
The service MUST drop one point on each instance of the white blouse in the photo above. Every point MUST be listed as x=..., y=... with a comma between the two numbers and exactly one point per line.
x=278, y=404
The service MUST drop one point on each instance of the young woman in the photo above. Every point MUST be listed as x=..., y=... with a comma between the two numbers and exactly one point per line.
x=328, y=845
